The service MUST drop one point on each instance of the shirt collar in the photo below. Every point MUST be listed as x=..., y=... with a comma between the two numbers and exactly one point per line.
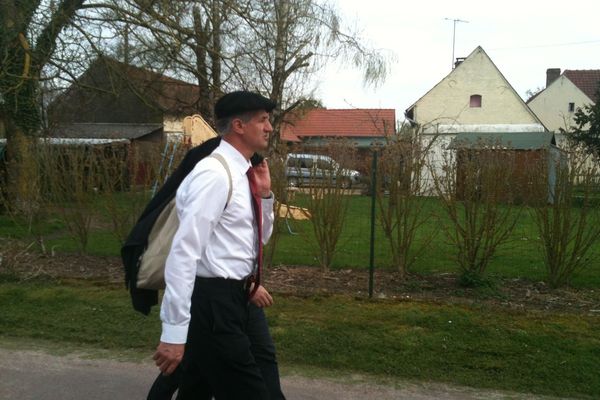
x=235, y=159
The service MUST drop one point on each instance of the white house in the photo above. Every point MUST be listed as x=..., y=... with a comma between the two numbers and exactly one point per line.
x=473, y=98
x=555, y=106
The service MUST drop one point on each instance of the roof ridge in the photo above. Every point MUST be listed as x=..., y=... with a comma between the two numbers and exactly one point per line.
x=143, y=69
x=588, y=70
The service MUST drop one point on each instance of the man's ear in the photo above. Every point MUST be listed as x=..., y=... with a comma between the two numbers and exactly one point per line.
x=237, y=125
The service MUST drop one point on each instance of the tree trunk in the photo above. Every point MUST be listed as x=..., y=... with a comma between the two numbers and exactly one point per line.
x=217, y=13
x=278, y=78
x=22, y=178
x=20, y=115
x=201, y=35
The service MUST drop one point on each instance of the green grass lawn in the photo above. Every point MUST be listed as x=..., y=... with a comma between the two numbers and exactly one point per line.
x=478, y=346
x=520, y=258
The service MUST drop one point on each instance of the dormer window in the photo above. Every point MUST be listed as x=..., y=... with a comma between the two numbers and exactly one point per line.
x=475, y=101
x=571, y=107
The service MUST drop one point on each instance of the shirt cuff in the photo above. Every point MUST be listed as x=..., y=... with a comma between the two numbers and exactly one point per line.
x=271, y=196
x=174, y=334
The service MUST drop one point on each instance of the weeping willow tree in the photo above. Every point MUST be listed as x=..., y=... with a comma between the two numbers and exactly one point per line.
x=285, y=42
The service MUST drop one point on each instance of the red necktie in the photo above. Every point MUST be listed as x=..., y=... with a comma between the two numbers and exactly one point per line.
x=257, y=206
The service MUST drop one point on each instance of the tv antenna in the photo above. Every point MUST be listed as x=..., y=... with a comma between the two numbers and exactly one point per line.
x=454, y=21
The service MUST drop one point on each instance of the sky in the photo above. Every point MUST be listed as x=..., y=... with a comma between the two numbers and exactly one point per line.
x=522, y=37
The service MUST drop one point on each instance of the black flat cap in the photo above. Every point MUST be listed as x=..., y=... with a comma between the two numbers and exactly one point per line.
x=239, y=102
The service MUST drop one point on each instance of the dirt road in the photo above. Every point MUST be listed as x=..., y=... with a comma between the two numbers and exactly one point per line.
x=38, y=375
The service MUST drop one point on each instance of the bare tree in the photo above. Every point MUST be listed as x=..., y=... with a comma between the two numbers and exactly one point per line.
x=271, y=46
x=284, y=42
x=402, y=208
x=187, y=39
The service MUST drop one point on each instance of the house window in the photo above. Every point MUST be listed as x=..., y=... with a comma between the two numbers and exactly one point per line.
x=475, y=101
x=571, y=107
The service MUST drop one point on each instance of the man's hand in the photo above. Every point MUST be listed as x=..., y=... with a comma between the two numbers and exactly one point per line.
x=262, y=177
x=168, y=356
x=262, y=298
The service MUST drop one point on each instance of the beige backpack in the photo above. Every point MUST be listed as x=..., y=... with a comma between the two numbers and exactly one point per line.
x=151, y=272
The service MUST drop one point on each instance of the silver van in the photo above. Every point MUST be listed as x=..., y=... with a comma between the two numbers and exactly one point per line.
x=306, y=169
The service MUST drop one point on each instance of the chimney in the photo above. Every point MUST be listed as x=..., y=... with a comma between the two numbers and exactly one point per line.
x=552, y=74
x=458, y=61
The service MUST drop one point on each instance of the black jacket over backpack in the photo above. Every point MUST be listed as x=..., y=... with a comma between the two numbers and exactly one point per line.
x=143, y=299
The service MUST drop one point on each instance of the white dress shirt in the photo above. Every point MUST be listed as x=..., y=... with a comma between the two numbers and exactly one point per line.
x=214, y=239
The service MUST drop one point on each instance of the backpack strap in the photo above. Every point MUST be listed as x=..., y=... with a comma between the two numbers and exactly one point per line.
x=223, y=162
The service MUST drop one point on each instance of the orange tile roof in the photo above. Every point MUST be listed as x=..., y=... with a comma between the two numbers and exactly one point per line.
x=340, y=123
x=585, y=79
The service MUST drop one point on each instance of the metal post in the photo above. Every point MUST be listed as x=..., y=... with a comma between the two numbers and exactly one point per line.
x=163, y=160
x=453, y=43
x=373, y=198
x=454, y=21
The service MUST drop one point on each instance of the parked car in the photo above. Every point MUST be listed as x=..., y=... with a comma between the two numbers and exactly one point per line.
x=305, y=169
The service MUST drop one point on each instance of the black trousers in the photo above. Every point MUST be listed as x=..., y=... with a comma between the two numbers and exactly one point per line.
x=230, y=353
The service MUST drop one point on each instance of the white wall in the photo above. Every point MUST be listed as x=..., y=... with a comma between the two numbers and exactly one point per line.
x=445, y=110
x=448, y=102
x=552, y=105
x=436, y=158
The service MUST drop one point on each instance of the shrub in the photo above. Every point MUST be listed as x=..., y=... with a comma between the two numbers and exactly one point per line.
x=568, y=221
x=401, y=207
x=476, y=193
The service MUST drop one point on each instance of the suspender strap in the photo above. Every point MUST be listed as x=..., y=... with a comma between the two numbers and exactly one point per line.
x=221, y=159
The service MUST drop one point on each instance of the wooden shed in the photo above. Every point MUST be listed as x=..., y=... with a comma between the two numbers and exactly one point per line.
x=524, y=164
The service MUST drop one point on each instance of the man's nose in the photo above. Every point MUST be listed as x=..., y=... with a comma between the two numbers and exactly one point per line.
x=269, y=127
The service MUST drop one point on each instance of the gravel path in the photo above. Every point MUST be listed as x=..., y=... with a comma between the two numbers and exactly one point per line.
x=38, y=375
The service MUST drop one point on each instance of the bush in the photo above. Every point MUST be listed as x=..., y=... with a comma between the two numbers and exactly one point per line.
x=568, y=222
x=401, y=207
x=476, y=192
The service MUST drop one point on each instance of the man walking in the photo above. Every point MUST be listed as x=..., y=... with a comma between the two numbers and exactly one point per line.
x=213, y=269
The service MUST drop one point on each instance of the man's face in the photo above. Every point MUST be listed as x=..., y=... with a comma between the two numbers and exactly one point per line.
x=257, y=130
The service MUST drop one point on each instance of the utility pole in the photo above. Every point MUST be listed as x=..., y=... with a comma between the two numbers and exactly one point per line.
x=454, y=21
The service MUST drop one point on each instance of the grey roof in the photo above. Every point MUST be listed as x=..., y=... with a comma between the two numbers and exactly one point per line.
x=92, y=130
x=511, y=140
x=70, y=141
